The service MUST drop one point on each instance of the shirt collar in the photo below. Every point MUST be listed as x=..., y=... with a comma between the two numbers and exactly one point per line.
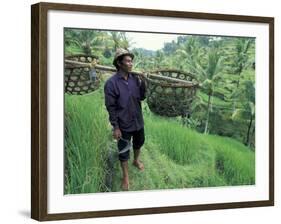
x=121, y=77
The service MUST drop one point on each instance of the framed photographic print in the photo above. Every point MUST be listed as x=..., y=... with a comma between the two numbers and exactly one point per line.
x=144, y=111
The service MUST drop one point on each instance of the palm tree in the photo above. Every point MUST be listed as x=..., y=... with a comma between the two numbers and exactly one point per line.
x=247, y=112
x=120, y=39
x=240, y=60
x=139, y=59
x=207, y=63
x=211, y=75
x=70, y=37
x=88, y=41
x=158, y=59
x=191, y=54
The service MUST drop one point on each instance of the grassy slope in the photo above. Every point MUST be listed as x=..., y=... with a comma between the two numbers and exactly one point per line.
x=174, y=156
x=177, y=157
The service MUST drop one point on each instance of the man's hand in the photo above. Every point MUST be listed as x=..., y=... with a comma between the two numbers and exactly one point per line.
x=142, y=81
x=141, y=78
x=117, y=133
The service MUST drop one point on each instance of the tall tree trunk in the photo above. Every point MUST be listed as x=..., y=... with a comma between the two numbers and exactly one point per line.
x=248, y=132
x=253, y=136
x=238, y=81
x=208, y=112
x=237, y=86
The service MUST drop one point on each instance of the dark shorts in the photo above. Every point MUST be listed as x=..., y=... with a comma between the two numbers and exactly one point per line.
x=138, y=141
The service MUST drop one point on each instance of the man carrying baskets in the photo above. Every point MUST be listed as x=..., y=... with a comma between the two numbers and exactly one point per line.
x=124, y=92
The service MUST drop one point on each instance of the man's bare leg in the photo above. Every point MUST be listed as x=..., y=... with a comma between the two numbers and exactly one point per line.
x=125, y=181
x=137, y=161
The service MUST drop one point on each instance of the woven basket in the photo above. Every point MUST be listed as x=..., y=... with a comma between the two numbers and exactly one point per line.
x=79, y=79
x=171, y=98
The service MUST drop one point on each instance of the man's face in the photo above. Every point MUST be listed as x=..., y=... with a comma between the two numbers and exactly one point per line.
x=126, y=64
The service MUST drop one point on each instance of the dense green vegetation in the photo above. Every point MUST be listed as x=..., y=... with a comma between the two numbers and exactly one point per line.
x=175, y=156
x=223, y=65
x=213, y=147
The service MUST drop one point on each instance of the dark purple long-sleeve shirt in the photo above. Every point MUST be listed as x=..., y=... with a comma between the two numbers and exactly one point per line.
x=123, y=101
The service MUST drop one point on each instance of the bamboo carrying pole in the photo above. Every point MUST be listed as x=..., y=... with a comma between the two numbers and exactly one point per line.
x=179, y=83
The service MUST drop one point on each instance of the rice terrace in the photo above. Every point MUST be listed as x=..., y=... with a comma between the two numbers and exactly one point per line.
x=199, y=111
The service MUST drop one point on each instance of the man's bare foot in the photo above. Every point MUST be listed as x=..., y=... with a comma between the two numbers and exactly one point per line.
x=125, y=184
x=138, y=164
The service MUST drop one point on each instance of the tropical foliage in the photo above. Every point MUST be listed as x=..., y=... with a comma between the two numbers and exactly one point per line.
x=213, y=147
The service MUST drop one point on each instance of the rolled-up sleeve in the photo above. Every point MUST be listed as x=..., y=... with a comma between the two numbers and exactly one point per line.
x=111, y=104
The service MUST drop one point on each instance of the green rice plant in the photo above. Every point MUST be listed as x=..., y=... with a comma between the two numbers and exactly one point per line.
x=230, y=159
x=181, y=144
x=86, y=143
x=234, y=161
